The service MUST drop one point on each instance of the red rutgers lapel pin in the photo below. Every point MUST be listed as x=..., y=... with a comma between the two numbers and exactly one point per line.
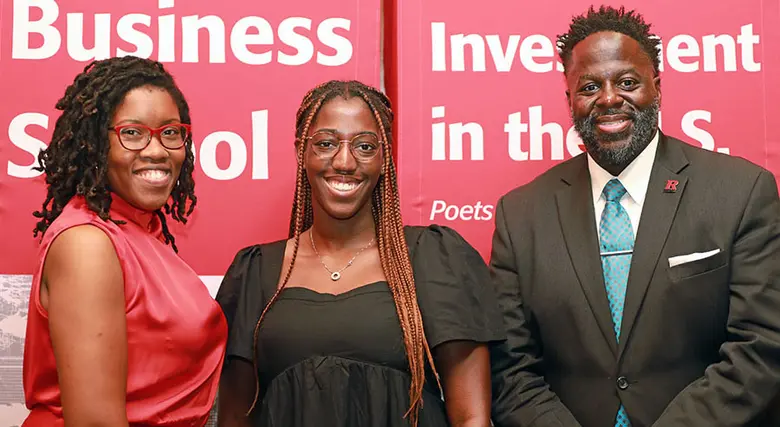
x=671, y=186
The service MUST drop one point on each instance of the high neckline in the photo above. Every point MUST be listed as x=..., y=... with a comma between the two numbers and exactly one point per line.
x=147, y=220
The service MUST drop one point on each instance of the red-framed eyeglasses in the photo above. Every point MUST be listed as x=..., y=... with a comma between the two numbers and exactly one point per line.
x=136, y=137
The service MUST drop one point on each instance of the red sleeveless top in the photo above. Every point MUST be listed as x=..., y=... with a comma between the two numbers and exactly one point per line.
x=176, y=332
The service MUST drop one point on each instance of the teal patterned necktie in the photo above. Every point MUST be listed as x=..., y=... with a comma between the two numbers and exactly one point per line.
x=616, y=243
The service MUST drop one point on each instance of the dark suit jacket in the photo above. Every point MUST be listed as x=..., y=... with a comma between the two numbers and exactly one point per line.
x=700, y=342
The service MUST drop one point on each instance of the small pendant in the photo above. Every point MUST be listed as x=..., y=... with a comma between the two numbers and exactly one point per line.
x=335, y=276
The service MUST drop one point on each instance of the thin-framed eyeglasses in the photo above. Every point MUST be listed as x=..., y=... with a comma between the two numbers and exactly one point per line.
x=136, y=137
x=363, y=146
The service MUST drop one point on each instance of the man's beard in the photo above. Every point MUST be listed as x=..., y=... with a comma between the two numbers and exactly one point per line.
x=645, y=124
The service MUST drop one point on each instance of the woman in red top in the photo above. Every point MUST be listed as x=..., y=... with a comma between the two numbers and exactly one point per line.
x=121, y=331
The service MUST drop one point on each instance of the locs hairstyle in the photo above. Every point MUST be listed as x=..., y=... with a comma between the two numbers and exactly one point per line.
x=76, y=160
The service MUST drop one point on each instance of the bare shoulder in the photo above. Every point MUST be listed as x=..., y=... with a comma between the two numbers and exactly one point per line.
x=81, y=255
x=85, y=235
x=85, y=300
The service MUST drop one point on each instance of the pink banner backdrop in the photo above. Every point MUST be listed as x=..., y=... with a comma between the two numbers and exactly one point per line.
x=479, y=97
x=243, y=66
x=480, y=93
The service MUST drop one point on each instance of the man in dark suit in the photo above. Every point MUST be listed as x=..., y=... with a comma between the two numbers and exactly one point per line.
x=640, y=282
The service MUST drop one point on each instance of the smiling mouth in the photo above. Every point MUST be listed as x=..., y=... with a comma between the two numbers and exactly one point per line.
x=342, y=187
x=613, y=126
x=156, y=177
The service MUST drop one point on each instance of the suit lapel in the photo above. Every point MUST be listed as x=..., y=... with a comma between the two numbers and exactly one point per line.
x=575, y=212
x=658, y=214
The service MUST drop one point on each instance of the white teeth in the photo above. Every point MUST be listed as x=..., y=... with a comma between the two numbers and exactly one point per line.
x=342, y=186
x=153, y=175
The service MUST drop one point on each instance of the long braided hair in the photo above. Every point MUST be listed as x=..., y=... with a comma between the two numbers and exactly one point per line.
x=393, y=250
x=76, y=160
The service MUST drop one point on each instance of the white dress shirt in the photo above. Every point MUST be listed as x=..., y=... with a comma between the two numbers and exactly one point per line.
x=634, y=178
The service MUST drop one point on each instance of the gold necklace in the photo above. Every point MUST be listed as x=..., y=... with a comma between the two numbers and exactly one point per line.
x=336, y=275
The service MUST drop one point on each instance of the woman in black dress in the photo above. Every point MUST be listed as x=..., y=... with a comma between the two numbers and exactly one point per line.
x=356, y=320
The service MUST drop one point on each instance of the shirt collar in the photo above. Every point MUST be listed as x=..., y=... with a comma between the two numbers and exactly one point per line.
x=635, y=178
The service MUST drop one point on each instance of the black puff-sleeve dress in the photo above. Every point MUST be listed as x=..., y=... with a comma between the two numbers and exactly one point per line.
x=339, y=360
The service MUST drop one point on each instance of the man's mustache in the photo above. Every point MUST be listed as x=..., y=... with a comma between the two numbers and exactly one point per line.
x=612, y=112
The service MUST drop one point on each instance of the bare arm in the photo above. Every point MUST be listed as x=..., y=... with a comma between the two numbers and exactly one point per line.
x=84, y=295
x=464, y=367
x=236, y=393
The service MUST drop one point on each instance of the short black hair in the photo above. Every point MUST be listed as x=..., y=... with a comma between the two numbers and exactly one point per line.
x=607, y=18
x=75, y=162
